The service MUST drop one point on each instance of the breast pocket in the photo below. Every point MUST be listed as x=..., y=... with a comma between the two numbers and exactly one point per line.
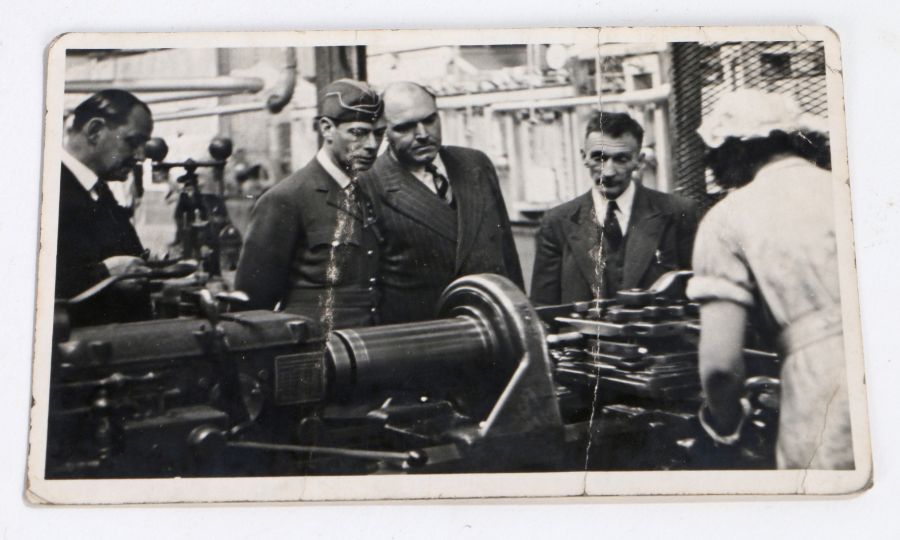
x=333, y=257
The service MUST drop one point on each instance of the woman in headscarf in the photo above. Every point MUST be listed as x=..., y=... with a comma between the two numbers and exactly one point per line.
x=767, y=251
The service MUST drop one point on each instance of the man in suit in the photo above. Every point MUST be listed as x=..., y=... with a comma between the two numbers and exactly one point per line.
x=312, y=244
x=440, y=208
x=96, y=239
x=620, y=234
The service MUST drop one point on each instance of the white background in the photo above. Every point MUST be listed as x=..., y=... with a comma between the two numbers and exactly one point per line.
x=870, y=34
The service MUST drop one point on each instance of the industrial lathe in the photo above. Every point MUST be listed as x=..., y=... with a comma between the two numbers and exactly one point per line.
x=492, y=384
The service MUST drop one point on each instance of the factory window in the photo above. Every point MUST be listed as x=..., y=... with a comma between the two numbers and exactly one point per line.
x=809, y=63
x=775, y=65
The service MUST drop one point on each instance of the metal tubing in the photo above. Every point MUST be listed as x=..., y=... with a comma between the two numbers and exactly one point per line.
x=635, y=97
x=187, y=96
x=231, y=108
x=281, y=97
x=235, y=84
x=375, y=455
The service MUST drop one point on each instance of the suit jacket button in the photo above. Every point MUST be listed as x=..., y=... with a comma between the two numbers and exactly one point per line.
x=370, y=253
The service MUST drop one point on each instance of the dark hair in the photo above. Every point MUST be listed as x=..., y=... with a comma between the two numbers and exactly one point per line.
x=735, y=162
x=112, y=105
x=615, y=124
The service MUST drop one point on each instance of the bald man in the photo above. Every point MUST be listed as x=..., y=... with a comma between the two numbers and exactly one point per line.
x=440, y=209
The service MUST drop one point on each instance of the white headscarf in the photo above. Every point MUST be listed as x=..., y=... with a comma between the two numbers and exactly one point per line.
x=750, y=113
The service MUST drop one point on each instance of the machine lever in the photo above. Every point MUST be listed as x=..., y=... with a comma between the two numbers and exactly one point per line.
x=177, y=270
x=412, y=458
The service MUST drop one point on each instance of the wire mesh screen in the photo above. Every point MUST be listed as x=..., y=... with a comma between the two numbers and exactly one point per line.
x=702, y=73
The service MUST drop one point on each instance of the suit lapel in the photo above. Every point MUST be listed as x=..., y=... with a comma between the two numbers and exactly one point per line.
x=466, y=185
x=73, y=192
x=332, y=191
x=583, y=236
x=644, y=229
x=405, y=194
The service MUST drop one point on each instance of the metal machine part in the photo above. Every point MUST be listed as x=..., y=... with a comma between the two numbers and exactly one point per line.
x=203, y=226
x=163, y=90
x=483, y=387
x=199, y=396
x=631, y=363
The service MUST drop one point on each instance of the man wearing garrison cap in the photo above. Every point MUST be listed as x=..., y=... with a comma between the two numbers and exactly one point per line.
x=312, y=243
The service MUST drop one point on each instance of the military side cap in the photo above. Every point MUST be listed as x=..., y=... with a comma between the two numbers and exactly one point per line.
x=346, y=100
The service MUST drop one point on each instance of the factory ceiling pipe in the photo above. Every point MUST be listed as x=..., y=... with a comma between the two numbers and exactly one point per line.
x=282, y=96
x=228, y=84
x=185, y=96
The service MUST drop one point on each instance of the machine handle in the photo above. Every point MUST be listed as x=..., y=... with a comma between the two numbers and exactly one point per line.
x=176, y=270
x=413, y=458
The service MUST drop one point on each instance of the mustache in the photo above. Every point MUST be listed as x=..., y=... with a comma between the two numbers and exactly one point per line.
x=365, y=156
x=428, y=140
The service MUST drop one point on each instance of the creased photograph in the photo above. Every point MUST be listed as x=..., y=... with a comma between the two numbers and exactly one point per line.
x=446, y=264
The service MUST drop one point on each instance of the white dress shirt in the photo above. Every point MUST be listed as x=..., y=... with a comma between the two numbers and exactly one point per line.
x=625, y=201
x=339, y=175
x=82, y=173
x=424, y=176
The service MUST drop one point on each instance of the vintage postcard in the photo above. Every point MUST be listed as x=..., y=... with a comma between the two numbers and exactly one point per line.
x=372, y=265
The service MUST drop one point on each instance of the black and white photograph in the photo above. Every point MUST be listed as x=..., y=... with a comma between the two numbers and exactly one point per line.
x=446, y=264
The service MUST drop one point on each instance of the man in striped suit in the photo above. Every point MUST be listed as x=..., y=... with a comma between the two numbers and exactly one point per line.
x=440, y=208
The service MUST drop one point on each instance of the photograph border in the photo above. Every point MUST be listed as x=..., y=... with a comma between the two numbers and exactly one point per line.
x=446, y=486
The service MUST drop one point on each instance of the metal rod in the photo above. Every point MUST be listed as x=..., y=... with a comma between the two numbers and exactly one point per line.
x=564, y=339
x=636, y=97
x=343, y=452
x=238, y=84
x=186, y=96
x=189, y=163
x=232, y=108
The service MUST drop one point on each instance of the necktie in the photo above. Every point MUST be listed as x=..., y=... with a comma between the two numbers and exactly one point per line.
x=612, y=231
x=102, y=192
x=350, y=192
x=441, y=185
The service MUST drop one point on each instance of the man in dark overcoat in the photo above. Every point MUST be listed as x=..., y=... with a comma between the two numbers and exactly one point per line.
x=312, y=243
x=620, y=234
x=103, y=143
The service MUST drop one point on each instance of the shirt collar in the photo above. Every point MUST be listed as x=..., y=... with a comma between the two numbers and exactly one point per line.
x=624, y=201
x=439, y=165
x=341, y=177
x=425, y=177
x=85, y=176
